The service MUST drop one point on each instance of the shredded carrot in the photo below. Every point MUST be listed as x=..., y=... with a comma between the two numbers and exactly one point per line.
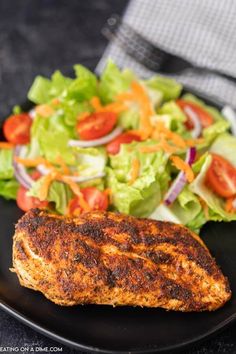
x=152, y=148
x=125, y=96
x=62, y=164
x=146, y=110
x=96, y=104
x=55, y=101
x=43, y=192
x=83, y=115
x=194, y=142
x=229, y=207
x=162, y=145
x=205, y=208
x=44, y=110
x=135, y=169
x=116, y=107
x=56, y=176
x=33, y=162
x=5, y=145
x=183, y=166
x=107, y=191
x=162, y=130
x=139, y=96
x=169, y=149
x=75, y=189
x=76, y=212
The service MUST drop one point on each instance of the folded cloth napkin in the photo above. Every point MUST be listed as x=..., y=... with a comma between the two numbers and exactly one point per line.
x=204, y=32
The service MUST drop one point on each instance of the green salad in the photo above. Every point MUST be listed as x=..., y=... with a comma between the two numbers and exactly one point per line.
x=123, y=144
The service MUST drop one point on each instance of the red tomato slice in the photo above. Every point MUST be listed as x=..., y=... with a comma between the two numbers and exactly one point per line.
x=96, y=199
x=16, y=128
x=221, y=177
x=205, y=118
x=25, y=202
x=96, y=125
x=114, y=146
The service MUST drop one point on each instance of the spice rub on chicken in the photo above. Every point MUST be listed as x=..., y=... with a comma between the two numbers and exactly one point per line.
x=114, y=259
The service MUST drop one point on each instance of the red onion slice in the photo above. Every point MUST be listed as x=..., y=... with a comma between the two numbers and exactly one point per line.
x=32, y=113
x=180, y=180
x=19, y=170
x=79, y=179
x=97, y=142
x=196, y=131
x=230, y=116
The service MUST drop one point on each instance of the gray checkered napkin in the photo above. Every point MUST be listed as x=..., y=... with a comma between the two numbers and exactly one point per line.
x=202, y=31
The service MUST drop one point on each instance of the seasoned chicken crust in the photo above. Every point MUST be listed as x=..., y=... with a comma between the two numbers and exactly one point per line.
x=115, y=259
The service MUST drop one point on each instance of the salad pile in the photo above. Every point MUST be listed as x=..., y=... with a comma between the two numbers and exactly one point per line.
x=119, y=143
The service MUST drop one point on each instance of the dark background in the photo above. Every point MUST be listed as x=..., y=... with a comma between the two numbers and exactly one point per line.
x=37, y=37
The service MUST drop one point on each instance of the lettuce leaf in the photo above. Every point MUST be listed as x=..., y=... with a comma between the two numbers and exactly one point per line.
x=215, y=203
x=219, y=127
x=43, y=89
x=139, y=200
x=169, y=88
x=83, y=87
x=173, y=118
x=196, y=223
x=187, y=206
x=8, y=189
x=114, y=81
x=142, y=197
x=6, y=166
x=90, y=161
x=225, y=145
x=129, y=119
x=50, y=136
x=59, y=193
x=185, y=210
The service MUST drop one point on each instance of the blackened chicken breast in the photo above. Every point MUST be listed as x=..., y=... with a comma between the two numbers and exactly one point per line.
x=114, y=259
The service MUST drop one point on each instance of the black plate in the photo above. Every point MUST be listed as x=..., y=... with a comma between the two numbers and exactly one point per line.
x=121, y=329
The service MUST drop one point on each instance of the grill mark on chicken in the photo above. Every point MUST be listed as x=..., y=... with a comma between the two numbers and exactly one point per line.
x=115, y=259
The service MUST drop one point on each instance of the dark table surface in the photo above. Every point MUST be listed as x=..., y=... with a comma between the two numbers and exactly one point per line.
x=37, y=37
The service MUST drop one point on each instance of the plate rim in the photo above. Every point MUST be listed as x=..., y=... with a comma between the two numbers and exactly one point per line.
x=75, y=345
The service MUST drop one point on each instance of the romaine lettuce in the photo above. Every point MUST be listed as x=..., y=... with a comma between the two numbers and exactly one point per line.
x=142, y=197
x=169, y=88
x=187, y=206
x=225, y=145
x=114, y=81
x=43, y=89
x=59, y=193
x=8, y=189
x=219, y=127
x=90, y=161
x=216, y=204
x=83, y=87
x=6, y=164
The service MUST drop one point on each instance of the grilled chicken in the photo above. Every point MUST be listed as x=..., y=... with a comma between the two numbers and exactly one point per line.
x=114, y=259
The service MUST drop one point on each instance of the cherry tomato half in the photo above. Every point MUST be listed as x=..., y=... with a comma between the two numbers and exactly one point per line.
x=96, y=199
x=25, y=202
x=114, y=146
x=16, y=128
x=96, y=125
x=221, y=177
x=205, y=118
